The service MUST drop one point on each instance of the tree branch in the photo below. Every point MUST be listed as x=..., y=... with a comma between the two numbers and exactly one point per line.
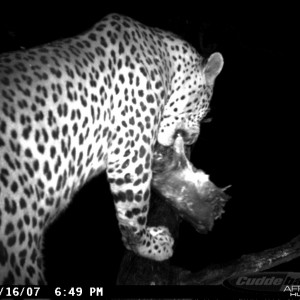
x=249, y=263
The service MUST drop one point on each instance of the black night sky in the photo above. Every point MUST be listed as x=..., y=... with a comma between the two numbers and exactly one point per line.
x=250, y=142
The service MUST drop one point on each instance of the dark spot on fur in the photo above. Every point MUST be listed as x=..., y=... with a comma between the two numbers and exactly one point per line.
x=3, y=254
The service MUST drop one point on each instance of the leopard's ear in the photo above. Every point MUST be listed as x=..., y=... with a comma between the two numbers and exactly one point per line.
x=213, y=67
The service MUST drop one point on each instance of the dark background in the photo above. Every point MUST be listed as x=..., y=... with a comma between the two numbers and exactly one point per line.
x=251, y=142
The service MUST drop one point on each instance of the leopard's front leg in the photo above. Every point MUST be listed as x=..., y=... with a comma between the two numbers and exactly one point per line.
x=129, y=174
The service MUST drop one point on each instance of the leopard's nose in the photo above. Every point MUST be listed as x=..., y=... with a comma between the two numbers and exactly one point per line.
x=189, y=138
x=183, y=133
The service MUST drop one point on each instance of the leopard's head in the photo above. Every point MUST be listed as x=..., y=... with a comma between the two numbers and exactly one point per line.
x=189, y=97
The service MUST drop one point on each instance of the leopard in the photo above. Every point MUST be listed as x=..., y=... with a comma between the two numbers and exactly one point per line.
x=80, y=106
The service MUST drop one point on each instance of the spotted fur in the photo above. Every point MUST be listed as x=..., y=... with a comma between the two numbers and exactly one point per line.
x=74, y=108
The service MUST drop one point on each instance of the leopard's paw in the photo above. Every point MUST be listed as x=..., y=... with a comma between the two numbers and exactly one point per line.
x=156, y=243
